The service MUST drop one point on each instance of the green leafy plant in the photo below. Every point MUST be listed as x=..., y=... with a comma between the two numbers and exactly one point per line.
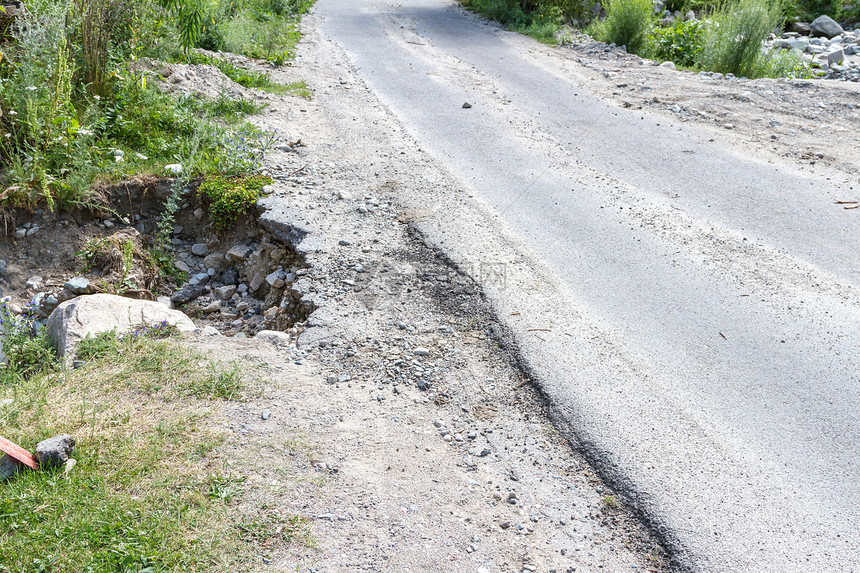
x=26, y=346
x=230, y=197
x=681, y=43
x=627, y=23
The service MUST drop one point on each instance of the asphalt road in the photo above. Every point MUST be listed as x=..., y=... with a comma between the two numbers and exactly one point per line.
x=700, y=329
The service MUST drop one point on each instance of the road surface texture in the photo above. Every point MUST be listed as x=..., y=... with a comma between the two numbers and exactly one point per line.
x=690, y=308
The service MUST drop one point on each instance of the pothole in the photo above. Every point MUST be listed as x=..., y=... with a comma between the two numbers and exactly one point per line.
x=238, y=281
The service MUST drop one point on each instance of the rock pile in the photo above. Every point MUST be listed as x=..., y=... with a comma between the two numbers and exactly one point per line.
x=825, y=43
x=245, y=287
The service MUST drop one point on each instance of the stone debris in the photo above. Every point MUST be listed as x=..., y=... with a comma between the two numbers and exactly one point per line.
x=55, y=451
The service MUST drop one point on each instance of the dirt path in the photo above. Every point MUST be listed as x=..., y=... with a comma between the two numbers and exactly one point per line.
x=399, y=423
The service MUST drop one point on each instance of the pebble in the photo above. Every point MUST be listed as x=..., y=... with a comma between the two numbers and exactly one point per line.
x=200, y=249
x=420, y=351
x=344, y=195
x=264, y=415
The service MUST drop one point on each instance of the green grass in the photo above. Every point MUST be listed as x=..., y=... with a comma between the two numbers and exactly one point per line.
x=141, y=494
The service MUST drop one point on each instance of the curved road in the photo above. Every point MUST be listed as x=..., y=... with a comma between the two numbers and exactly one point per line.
x=699, y=318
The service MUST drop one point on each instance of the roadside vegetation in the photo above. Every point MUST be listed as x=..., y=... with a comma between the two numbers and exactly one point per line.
x=150, y=490
x=77, y=106
x=727, y=37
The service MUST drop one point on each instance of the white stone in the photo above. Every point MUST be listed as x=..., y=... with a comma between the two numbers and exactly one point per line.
x=273, y=336
x=173, y=169
x=670, y=65
x=91, y=315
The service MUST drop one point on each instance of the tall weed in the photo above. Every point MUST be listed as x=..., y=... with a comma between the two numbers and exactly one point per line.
x=735, y=34
x=627, y=23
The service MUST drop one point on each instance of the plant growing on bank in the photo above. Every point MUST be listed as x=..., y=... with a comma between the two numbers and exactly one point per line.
x=230, y=197
x=627, y=23
x=25, y=346
x=734, y=36
x=680, y=43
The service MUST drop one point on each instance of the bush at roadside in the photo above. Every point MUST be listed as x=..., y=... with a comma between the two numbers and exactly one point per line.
x=627, y=23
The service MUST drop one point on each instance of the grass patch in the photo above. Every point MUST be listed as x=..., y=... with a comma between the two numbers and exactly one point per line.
x=230, y=197
x=142, y=494
x=264, y=29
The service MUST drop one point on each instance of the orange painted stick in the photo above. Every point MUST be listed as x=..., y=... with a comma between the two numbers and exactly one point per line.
x=18, y=453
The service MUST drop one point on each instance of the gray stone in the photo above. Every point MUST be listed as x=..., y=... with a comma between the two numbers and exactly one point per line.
x=212, y=307
x=257, y=281
x=79, y=285
x=264, y=415
x=225, y=292
x=230, y=277
x=55, y=451
x=9, y=466
x=801, y=28
x=239, y=252
x=199, y=249
x=210, y=331
x=165, y=300
x=826, y=27
x=86, y=316
x=275, y=279
x=670, y=65
x=187, y=293
x=20, y=233
x=214, y=261
x=420, y=351
x=835, y=57
x=273, y=337
x=34, y=282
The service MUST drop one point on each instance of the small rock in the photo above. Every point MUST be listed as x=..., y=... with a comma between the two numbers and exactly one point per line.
x=344, y=243
x=210, y=331
x=200, y=249
x=467, y=105
x=198, y=213
x=20, y=233
x=239, y=252
x=273, y=337
x=728, y=126
x=421, y=351
x=34, y=282
x=275, y=279
x=230, y=277
x=9, y=466
x=187, y=293
x=670, y=65
x=55, y=451
x=265, y=415
x=225, y=292
x=344, y=195
x=423, y=385
x=173, y=169
x=78, y=286
x=165, y=300
x=212, y=307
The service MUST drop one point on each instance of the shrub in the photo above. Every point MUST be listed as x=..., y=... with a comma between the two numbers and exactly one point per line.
x=627, y=23
x=681, y=43
x=734, y=37
x=231, y=197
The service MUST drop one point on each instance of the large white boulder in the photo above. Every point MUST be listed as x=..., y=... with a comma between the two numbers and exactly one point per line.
x=90, y=315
